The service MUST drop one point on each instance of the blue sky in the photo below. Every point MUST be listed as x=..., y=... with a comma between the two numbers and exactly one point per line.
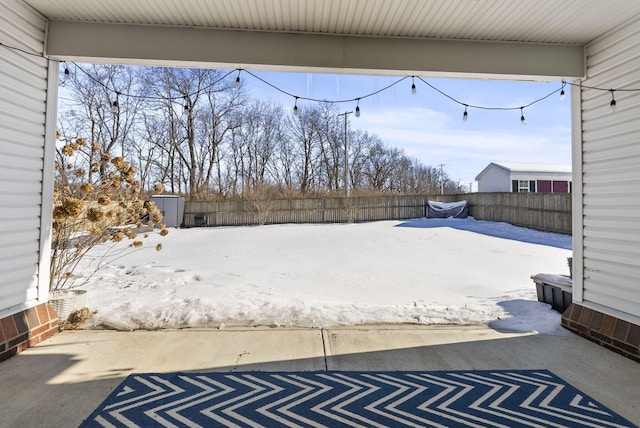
x=429, y=126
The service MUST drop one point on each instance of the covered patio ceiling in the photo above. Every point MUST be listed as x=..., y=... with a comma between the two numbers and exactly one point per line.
x=525, y=39
x=534, y=21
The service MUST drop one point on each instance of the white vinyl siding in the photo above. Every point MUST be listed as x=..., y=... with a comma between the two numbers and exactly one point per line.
x=494, y=179
x=611, y=176
x=23, y=99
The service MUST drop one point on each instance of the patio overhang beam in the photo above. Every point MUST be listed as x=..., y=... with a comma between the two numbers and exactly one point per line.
x=205, y=47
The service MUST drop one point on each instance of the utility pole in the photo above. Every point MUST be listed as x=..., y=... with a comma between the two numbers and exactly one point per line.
x=442, y=178
x=345, y=178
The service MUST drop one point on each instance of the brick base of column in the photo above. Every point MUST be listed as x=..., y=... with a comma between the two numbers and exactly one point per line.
x=24, y=329
x=618, y=335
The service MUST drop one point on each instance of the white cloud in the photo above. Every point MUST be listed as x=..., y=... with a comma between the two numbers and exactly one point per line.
x=435, y=137
x=406, y=119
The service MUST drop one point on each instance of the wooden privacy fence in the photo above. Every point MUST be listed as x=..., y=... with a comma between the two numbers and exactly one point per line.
x=542, y=211
x=549, y=212
x=321, y=210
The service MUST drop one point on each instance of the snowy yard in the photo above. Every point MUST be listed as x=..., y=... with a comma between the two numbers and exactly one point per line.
x=423, y=271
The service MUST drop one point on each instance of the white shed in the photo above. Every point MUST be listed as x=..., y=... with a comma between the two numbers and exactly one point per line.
x=593, y=44
x=525, y=177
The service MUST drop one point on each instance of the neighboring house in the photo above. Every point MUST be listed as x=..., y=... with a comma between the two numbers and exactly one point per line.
x=525, y=178
x=592, y=45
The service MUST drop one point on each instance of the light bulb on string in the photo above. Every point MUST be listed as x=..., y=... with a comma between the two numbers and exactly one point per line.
x=612, y=105
x=522, y=119
x=185, y=105
x=66, y=74
x=238, y=80
x=115, y=106
x=413, y=85
x=295, y=107
x=562, y=94
x=465, y=115
x=358, y=108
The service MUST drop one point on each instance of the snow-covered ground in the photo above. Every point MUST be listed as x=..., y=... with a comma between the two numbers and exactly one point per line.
x=423, y=271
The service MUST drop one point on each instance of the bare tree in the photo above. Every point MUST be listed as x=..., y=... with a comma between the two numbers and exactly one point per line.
x=106, y=102
x=359, y=144
x=286, y=162
x=263, y=129
x=218, y=119
x=153, y=149
x=197, y=104
x=193, y=131
x=305, y=138
x=380, y=165
x=330, y=132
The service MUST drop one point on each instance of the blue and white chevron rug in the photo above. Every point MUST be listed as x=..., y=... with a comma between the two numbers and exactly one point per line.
x=531, y=398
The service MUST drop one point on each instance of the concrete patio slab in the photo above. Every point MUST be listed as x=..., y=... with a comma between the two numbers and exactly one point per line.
x=61, y=381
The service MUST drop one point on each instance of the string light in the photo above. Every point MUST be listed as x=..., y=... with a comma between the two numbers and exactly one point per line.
x=613, y=107
x=467, y=106
x=186, y=105
x=67, y=75
x=522, y=120
x=176, y=98
x=115, y=106
x=612, y=104
x=26, y=52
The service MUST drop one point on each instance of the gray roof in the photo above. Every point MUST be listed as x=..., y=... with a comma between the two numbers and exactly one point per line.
x=529, y=168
